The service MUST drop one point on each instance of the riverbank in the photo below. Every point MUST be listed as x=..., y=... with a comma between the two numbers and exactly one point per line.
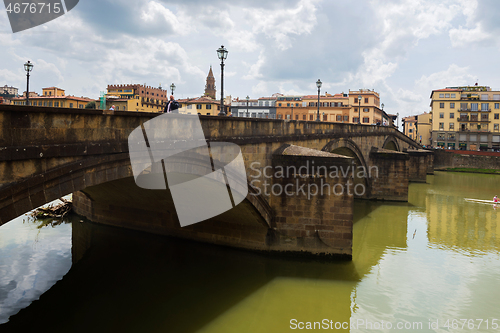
x=471, y=170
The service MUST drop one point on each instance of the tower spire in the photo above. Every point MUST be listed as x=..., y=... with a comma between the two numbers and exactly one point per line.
x=210, y=85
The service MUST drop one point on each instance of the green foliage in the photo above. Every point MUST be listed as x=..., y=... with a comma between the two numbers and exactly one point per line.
x=90, y=105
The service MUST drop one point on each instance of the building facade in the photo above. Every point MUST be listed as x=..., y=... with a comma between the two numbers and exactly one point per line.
x=138, y=97
x=264, y=107
x=205, y=106
x=466, y=118
x=53, y=97
x=7, y=91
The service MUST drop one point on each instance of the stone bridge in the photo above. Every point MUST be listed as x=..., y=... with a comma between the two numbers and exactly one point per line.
x=46, y=153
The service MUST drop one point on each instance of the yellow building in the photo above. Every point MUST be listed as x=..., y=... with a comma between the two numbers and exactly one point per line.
x=345, y=108
x=204, y=105
x=466, y=118
x=418, y=128
x=136, y=97
x=410, y=127
x=53, y=97
x=424, y=129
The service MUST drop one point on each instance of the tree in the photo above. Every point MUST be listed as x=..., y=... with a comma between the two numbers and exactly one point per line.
x=90, y=105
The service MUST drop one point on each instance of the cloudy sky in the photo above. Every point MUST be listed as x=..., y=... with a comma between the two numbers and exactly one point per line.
x=402, y=49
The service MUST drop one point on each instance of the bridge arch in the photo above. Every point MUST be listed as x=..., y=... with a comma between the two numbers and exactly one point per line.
x=35, y=191
x=347, y=147
x=391, y=143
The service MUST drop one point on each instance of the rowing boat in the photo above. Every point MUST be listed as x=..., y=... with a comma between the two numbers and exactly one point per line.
x=482, y=201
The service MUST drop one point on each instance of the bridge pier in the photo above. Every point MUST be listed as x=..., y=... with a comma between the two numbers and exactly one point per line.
x=313, y=203
x=420, y=164
x=391, y=181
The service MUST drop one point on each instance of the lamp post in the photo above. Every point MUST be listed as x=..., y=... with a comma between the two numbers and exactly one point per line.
x=172, y=88
x=222, y=54
x=318, y=84
x=28, y=67
x=292, y=112
x=359, y=109
x=248, y=98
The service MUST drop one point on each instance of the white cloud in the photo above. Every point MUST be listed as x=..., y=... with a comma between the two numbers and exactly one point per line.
x=282, y=24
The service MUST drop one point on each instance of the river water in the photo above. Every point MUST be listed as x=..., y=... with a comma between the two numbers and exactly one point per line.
x=423, y=266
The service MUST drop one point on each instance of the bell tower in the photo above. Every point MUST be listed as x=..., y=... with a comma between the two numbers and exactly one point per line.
x=210, y=86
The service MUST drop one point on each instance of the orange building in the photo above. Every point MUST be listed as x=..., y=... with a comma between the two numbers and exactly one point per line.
x=54, y=97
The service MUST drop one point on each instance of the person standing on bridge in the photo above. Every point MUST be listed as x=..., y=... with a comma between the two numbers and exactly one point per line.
x=171, y=105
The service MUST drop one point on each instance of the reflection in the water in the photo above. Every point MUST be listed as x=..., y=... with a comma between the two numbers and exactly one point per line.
x=412, y=262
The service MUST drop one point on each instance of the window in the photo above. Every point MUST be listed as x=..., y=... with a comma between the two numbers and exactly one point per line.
x=346, y=119
x=410, y=130
x=496, y=115
x=453, y=95
x=56, y=104
x=463, y=106
x=209, y=106
x=303, y=117
x=287, y=104
x=495, y=127
x=441, y=136
x=452, y=115
x=366, y=99
x=484, y=107
x=355, y=109
x=190, y=106
x=366, y=110
x=40, y=103
x=339, y=118
x=441, y=126
x=311, y=117
x=296, y=116
x=441, y=114
x=45, y=103
x=474, y=106
x=310, y=104
x=484, y=97
x=441, y=95
x=355, y=99
x=452, y=105
x=452, y=126
x=366, y=120
x=50, y=103
x=497, y=105
x=198, y=106
x=447, y=95
x=441, y=105
x=80, y=106
x=355, y=120
x=325, y=117
x=71, y=105
x=208, y=113
x=451, y=137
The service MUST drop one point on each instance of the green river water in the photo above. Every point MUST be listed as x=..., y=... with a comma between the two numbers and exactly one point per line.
x=429, y=265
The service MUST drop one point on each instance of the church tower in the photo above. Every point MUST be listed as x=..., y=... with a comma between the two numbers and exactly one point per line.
x=210, y=86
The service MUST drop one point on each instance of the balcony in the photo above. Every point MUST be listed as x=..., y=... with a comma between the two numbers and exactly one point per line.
x=473, y=119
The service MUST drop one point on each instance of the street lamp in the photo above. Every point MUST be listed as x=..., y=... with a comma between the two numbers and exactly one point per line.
x=359, y=109
x=28, y=67
x=292, y=112
x=318, y=84
x=248, y=97
x=382, y=106
x=172, y=88
x=222, y=54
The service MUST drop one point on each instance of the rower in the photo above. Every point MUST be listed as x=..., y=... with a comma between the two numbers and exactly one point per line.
x=495, y=199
